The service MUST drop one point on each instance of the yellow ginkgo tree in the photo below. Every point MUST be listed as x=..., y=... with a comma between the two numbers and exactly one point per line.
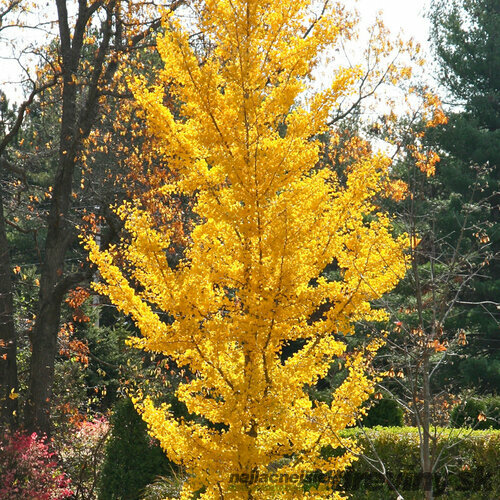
x=270, y=219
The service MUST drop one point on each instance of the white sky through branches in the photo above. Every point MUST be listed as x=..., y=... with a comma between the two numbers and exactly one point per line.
x=406, y=17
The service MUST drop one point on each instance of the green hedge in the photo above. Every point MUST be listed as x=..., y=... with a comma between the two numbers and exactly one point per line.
x=472, y=464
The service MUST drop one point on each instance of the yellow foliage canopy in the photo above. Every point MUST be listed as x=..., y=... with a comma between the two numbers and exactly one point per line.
x=270, y=222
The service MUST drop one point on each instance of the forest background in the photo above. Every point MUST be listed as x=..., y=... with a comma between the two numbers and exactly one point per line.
x=76, y=144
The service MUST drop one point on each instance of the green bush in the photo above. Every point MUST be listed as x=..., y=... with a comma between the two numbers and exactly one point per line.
x=384, y=412
x=471, y=463
x=133, y=459
x=466, y=414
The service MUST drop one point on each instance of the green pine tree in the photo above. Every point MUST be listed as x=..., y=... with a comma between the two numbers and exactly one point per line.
x=466, y=39
x=133, y=459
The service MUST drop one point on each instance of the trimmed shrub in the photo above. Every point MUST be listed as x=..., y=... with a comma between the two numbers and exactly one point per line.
x=471, y=463
x=133, y=460
x=28, y=470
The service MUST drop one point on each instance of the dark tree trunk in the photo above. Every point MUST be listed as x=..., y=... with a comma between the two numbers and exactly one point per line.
x=77, y=121
x=426, y=455
x=46, y=328
x=59, y=235
x=8, y=341
x=44, y=342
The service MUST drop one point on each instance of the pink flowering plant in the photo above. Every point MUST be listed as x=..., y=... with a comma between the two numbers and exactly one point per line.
x=29, y=470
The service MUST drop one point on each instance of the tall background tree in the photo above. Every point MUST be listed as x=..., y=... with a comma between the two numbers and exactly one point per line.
x=466, y=39
x=82, y=64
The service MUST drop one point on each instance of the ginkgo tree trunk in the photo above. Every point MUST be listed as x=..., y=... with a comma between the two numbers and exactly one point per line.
x=270, y=219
